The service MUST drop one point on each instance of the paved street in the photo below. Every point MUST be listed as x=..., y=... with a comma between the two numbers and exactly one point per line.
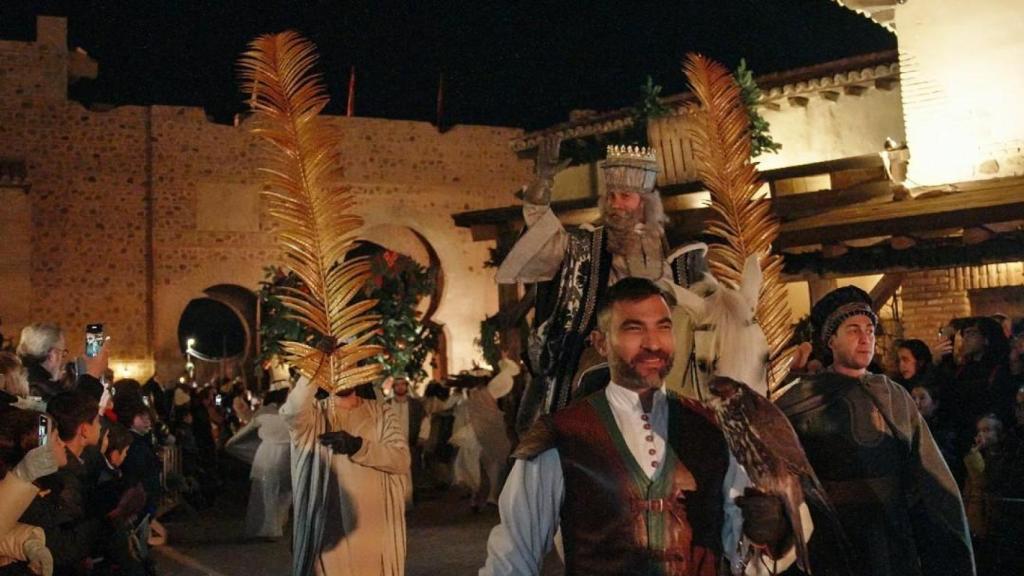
x=444, y=537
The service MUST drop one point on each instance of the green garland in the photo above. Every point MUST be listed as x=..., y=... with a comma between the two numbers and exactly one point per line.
x=489, y=340
x=398, y=284
x=760, y=139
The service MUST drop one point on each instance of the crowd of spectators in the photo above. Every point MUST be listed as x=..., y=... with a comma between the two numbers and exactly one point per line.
x=969, y=387
x=89, y=463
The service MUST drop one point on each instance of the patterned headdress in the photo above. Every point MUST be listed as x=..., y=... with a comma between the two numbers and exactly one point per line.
x=838, y=305
x=630, y=169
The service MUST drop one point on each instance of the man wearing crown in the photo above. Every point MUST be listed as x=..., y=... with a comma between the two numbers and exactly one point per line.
x=573, y=267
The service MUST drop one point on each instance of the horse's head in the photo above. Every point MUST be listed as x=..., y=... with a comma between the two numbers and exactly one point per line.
x=727, y=340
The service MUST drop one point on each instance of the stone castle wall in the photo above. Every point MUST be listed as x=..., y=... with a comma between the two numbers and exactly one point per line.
x=136, y=210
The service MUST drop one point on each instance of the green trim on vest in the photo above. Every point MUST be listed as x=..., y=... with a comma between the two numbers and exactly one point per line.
x=658, y=488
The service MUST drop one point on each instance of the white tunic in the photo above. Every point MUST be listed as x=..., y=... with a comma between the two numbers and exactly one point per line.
x=365, y=511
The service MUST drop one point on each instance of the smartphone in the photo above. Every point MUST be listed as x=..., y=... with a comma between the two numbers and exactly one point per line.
x=93, y=340
x=44, y=429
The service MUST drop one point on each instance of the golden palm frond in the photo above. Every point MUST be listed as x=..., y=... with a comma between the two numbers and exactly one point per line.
x=316, y=227
x=741, y=217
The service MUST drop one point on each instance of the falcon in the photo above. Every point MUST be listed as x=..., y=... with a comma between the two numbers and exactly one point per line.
x=761, y=439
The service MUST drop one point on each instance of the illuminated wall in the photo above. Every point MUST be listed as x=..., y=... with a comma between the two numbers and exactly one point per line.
x=962, y=88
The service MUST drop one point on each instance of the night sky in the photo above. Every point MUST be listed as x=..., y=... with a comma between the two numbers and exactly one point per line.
x=508, y=63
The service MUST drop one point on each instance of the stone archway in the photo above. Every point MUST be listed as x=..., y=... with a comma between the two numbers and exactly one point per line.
x=223, y=322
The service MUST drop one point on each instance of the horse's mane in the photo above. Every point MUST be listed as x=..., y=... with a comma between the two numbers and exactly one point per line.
x=737, y=341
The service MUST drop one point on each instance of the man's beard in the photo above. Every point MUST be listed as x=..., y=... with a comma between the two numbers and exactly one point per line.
x=625, y=375
x=622, y=236
x=628, y=234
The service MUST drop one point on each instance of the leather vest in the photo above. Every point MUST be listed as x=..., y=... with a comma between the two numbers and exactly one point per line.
x=615, y=520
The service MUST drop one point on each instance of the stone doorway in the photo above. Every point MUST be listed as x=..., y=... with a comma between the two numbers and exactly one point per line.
x=221, y=326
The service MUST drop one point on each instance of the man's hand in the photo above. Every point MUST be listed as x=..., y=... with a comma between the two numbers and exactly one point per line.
x=940, y=347
x=764, y=522
x=548, y=165
x=342, y=442
x=801, y=357
x=96, y=365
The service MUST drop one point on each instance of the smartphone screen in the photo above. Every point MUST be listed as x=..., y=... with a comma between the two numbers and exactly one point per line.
x=93, y=339
x=44, y=429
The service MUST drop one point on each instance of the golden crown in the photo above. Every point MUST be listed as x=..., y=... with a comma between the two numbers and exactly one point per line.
x=630, y=168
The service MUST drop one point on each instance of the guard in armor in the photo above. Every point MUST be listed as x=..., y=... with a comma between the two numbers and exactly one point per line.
x=894, y=494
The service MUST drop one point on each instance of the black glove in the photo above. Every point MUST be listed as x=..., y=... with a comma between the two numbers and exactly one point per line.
x=764, y=521
x=341, y=442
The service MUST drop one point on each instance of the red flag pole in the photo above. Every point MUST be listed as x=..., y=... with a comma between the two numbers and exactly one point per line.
x=440, y=102
x=350, y=110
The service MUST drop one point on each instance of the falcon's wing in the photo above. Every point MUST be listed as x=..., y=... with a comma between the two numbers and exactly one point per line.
x=773, y=428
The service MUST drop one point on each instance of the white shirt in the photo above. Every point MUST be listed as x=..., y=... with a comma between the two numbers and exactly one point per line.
x=644, y=433
x=533, y=494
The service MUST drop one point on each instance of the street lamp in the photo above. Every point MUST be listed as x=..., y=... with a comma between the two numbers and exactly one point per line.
x=190, y=367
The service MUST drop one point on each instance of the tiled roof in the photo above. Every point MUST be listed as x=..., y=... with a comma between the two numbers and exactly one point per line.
x=861, y=70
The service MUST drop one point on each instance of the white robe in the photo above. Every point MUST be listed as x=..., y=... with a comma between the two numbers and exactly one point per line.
x=364, y=509
x=270, y=495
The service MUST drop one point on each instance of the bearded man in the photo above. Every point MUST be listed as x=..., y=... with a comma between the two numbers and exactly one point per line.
x=573, y=268
x=639, y=481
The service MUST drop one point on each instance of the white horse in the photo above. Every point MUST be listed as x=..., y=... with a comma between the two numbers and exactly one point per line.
x=727, y=341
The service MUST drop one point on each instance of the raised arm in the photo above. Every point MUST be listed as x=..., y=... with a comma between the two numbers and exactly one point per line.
x=538, y=253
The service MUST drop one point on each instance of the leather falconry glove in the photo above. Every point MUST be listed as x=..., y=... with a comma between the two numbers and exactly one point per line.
x=548, y=165
x=341, y=442
x=764, y=521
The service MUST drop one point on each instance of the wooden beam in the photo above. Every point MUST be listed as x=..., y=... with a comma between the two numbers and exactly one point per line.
x=832, y=251
x=977, y=234
x=902, y=242
x=886, y=83
x=854, y=90
x=864, y=162
x=830, y=95
x=882, y=258
x=798, y=101
x=885, y=288
x=976, y=203
x=818, y=287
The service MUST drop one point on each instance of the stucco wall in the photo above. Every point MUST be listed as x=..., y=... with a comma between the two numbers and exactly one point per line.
x=963, y=87
x=824, y=129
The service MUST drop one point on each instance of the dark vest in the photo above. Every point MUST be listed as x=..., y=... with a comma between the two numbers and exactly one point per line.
x=617, y=521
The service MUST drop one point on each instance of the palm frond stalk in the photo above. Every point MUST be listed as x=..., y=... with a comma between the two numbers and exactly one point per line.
x=741, y=217
x=314, y=222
